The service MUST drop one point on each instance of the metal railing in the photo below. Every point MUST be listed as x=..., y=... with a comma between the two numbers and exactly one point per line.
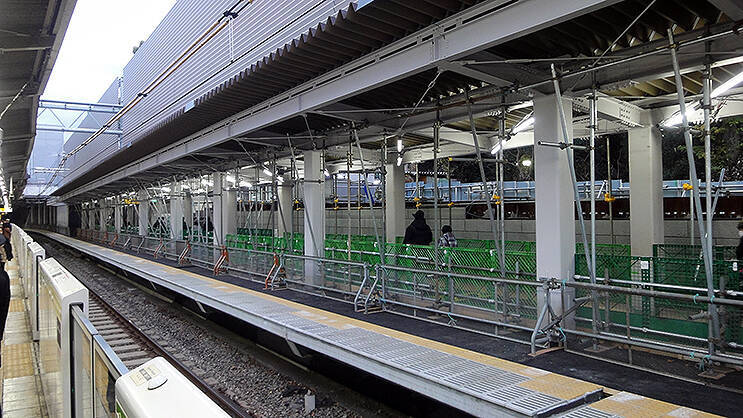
x=466, y=292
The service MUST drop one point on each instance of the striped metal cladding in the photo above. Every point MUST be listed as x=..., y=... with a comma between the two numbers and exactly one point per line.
x=348, y=35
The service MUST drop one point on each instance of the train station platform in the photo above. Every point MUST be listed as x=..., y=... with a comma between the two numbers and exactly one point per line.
x=21, y=384
x=472, y=381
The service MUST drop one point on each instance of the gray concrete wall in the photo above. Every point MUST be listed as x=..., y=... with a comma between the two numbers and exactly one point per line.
x=676, y=231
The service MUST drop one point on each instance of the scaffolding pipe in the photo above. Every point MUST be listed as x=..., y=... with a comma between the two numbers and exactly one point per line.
x=368, y=195
x=592, y=154
x=712, y=309
x=478, y=157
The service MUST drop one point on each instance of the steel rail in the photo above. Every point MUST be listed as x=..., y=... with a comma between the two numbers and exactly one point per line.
x=227, y=404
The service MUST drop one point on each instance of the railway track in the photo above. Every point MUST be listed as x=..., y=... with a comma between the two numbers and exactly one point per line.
x=134, y=348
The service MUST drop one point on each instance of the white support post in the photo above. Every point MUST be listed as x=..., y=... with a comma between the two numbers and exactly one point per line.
x=144, y=212
x=286, y=206
x=63, y=218
x=555, y=206
x=394, y=202
x=176, y=211
x=118, y=214
x=314, y=212
x=102, y=215
x=225, y=209
x=646, y=189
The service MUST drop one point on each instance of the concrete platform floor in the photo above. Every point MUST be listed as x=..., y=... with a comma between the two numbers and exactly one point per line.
x=20, y=384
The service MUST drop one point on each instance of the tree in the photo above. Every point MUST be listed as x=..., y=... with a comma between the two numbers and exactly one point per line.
x=727, y=151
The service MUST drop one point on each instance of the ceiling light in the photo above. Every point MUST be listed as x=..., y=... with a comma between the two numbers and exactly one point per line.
x=724, y=87
x=497, y=147
x=267, y=172
x=326, y=172
x=376, y=182
x=676, y=119
x=399, y=144
x=524, y=125
x=399, y=160
x=231, y=179
x=245, y=184
x=526, y=163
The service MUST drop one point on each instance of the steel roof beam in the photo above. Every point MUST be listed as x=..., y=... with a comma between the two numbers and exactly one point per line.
x=732, y=8
x=478, y=27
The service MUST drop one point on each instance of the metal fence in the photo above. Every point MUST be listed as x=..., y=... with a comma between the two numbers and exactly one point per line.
x=650, y=302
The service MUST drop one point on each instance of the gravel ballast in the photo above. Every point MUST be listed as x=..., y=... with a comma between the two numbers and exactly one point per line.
x=222, y=362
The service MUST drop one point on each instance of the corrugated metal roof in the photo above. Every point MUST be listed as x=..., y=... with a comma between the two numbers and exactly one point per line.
x=341, y=38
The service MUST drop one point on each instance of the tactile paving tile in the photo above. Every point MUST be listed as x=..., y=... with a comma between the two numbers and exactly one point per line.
x=17, y=360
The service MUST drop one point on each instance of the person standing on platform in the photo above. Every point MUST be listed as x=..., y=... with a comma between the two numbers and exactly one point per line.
x=6, y=254
x=418, y=232
x=447, y=238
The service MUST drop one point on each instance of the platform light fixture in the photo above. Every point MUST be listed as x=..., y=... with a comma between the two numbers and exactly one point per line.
x=326, y=172
x=676, y=118
x=524, y=125
x=244, y=183
x=724, y=87
x=399, y=160
x=526, y=162
x=497, y=147
x=399, y=144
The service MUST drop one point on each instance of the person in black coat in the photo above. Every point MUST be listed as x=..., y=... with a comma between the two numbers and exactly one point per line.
x=418, y=232
x=7, y=255
x=739, y=250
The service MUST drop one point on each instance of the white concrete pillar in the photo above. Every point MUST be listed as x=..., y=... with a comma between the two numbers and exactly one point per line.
x=63, y=218
x=102, y=210
x=646, y=189
x=176, y=211
x=286, y=205
x=555, y=207
x=118, y=214
x=395, y=202
x=225, y=209
x=314, y=213
x=143, y=211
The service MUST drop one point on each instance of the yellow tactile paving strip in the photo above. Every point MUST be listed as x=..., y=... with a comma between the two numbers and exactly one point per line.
x=619, y=403
x=19, y=386
x=630, y=405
